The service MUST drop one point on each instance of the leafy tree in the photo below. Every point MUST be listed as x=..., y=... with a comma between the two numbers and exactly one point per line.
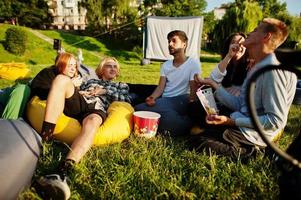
x=272, y=8
x=176, y=8
x=116, y=12
x=6, y=11
x=242, y=16
x=94, y=14
x=148, y=7
x=209, y=25
x=31, y=13
x=106, y=16
x=295, y=31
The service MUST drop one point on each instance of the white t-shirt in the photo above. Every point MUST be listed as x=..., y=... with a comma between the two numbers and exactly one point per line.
x=177, y=78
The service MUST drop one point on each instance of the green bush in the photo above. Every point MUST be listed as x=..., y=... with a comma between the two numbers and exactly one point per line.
x=15, y=40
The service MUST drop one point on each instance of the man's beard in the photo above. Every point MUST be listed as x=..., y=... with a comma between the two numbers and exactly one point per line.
x=175, y=51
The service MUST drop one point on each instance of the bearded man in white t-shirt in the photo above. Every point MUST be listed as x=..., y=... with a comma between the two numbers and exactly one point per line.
x=176, y=87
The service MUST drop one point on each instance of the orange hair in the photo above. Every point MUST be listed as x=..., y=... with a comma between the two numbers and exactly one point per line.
x=63, y=60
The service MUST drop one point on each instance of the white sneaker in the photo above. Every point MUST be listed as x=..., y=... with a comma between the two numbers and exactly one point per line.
x=53, y=187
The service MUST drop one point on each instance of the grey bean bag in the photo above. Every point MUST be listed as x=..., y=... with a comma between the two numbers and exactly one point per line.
x=19, y=152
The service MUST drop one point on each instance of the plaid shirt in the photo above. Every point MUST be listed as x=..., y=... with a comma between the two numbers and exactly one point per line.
x=115, y=91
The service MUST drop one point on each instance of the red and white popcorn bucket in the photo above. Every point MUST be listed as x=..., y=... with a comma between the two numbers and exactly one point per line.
x=146, y=123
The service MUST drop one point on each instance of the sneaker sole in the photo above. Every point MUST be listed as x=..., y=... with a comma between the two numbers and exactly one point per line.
x=52, y=192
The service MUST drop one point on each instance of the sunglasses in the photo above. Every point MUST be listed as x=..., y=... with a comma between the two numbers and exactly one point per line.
x=110, y=65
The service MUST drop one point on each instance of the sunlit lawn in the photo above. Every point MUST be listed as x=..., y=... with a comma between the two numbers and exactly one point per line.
x=160, y=168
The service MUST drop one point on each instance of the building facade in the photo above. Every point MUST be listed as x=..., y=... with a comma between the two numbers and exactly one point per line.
x=219, y=12
x=67, y=14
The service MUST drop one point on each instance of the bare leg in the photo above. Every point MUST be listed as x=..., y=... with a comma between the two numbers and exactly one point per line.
x=61, y=88
x=84, y=140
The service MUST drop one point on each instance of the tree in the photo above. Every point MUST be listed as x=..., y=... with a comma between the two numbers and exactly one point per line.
x=148, y=7
x=176, y=8
x=209, y=25
x=242, y=16
x=5, y=9
x=31, y=13
x=94, y=15
x=116, y=12
x=107, y=16
x=272, y=8
x=295, y=31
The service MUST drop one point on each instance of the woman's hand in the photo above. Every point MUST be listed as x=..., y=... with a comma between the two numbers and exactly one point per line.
x=95, y=91
x=85, y=93
x=236, y=50
x=150, y=101
x=98, y=90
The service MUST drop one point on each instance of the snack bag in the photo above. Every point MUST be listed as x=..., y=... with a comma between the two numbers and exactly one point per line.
x=207, y=100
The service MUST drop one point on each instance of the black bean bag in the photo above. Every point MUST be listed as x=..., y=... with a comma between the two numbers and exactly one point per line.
x=140, y=92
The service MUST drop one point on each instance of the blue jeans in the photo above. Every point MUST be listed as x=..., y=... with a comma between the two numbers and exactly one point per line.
x=173, y=111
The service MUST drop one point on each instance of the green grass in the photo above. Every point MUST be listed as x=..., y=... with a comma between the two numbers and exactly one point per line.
x=38, y=52
x=159, y=168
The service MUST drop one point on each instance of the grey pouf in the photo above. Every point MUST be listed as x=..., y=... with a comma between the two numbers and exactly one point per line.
x=297, y=98
x=20, y=147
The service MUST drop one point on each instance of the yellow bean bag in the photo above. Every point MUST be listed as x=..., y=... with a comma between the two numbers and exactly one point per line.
x=13, y=71
x=116, y=127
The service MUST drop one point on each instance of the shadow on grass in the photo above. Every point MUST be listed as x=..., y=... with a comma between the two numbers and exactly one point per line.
x=32, y=62
x=78, y=41
x=111, y=47
x=123, y=55
x=119, y=48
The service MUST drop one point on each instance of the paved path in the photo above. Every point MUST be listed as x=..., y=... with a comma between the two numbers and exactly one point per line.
x=42, y=36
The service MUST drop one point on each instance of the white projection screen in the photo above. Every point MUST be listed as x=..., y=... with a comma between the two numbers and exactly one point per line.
x=155, y=45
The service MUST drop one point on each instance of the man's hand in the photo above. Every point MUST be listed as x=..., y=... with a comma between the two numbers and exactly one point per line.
x=197, y=79
x=150, y=101
x=219, y=120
